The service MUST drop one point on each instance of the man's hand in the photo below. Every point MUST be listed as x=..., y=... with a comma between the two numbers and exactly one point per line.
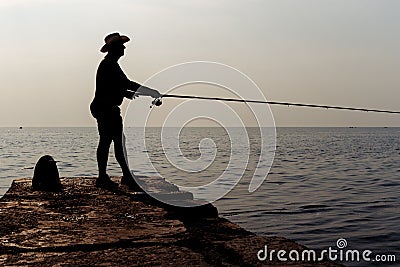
x=148, y=92
x=130, y=95
x=157, y=102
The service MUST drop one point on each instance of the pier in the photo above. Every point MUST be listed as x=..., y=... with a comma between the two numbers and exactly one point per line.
x=88, y=226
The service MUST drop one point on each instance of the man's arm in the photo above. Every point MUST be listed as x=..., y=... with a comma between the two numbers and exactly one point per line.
x=131, y=88
x=135, y=89
x=143, y=90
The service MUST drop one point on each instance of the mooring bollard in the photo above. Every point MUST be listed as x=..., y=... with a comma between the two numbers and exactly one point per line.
x=46, y=176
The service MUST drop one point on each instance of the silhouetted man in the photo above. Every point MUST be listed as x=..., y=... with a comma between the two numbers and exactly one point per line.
x=112, y=86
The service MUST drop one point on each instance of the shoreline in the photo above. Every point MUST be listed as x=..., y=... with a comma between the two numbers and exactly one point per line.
x=84, y=225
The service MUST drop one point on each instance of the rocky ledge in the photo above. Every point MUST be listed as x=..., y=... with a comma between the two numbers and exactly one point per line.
x=87, y=226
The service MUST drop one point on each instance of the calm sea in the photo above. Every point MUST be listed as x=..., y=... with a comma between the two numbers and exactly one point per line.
x=325, y=183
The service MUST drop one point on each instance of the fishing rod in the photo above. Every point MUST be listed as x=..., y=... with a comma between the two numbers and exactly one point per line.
x=158, y=102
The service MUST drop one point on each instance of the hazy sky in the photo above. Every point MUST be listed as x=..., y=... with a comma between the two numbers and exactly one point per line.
x=338, y=52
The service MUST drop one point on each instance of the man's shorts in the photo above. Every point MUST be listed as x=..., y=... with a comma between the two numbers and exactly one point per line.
x=109, y=122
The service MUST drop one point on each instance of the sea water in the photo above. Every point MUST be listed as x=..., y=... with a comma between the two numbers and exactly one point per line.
x=324, y=184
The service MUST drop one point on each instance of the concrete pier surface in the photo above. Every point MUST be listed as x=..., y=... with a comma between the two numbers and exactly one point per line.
x=88, y=226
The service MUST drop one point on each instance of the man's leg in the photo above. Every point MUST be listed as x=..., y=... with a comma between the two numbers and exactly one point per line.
x=119, y=149
x=103, y=148
x=120, y=155
x=104, y=180
x=102, y=154
x=104, y=126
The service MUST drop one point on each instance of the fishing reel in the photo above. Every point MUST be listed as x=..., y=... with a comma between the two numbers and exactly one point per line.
x=156, y=102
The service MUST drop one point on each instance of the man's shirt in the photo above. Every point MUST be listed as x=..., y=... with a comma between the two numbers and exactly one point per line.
x=112, y=86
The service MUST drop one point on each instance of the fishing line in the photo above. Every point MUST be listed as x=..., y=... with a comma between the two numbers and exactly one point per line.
x=279, y=103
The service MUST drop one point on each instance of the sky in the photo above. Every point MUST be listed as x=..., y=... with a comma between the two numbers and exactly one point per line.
x=332, y=52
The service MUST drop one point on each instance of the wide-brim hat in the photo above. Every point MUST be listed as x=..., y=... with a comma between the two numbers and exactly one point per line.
x=113, y=38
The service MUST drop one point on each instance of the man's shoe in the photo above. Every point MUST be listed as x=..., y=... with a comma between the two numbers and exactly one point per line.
x=106, y=183
x=131, y=183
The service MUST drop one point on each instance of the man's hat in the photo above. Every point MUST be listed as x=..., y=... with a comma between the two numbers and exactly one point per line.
x=113, y=38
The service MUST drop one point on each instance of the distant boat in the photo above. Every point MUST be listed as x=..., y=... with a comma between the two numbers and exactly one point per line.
x=20, y=127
